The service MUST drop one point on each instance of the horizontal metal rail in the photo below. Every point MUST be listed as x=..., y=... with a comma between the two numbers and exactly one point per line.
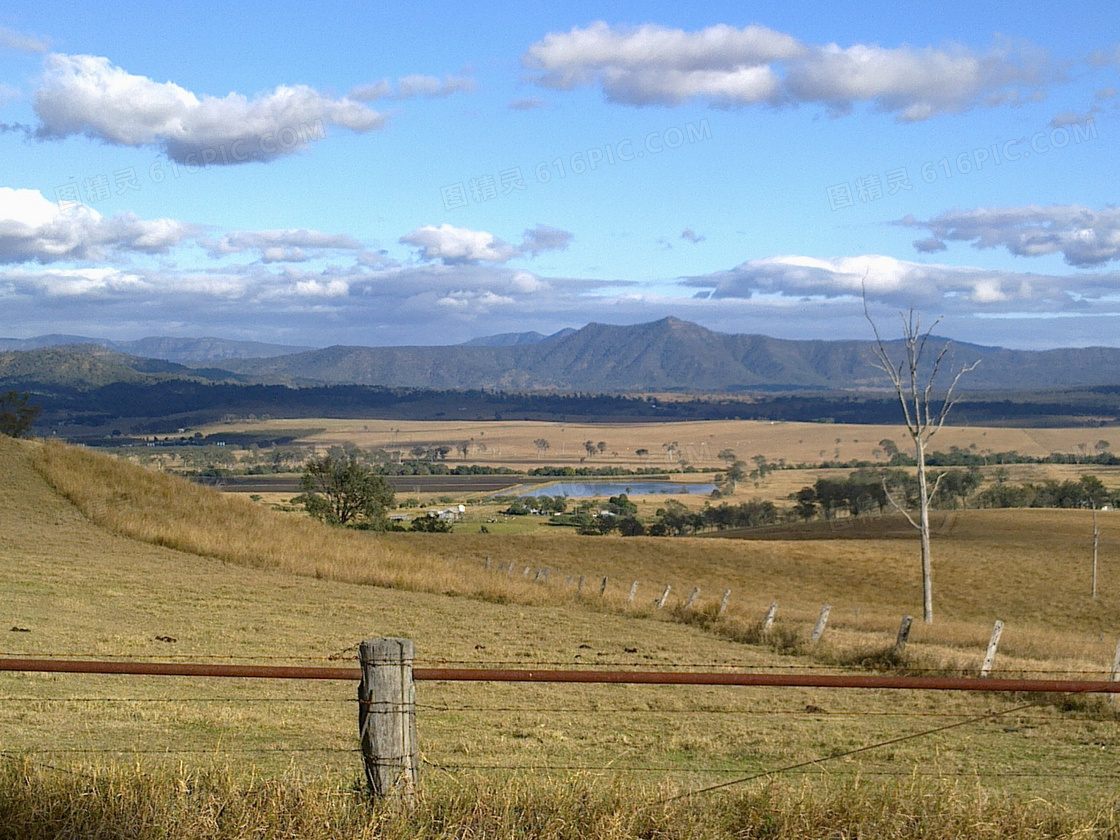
x=303, y=672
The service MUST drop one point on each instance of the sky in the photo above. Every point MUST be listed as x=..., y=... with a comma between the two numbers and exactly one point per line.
x=423, y=173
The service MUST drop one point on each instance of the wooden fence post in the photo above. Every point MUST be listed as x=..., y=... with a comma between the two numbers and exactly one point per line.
x=1114, y=676
x=387, y=718
x=664, y=595
x=579, y=586
x=768, y=622
x=603, y=586
x=692, y=597
x=723, y=602
x=993, y=646
x=903, y=634
x=822, y=620
x=633, y=592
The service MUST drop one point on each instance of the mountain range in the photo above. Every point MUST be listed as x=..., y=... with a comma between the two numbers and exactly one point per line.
x=662, y=356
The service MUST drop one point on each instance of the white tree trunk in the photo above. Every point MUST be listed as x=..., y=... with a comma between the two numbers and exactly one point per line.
x=923, y=530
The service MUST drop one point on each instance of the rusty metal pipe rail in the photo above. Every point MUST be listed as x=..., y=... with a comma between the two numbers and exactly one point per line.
x=303, y=672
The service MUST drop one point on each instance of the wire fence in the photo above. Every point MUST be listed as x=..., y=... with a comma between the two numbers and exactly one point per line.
x=740, y=723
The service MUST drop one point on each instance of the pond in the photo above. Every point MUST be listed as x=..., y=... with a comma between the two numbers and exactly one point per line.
x=587, y=489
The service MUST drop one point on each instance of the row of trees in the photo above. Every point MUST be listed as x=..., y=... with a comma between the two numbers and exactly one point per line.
x=1088, y=491
x=675, y=519
x=874, y=491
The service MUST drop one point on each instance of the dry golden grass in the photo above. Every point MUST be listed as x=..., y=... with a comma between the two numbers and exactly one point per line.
x=79, y=588
x=37, y=804
x=1027, y=568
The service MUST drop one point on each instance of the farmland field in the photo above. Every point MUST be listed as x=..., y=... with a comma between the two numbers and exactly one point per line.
x=511, y=443
x=121, y=567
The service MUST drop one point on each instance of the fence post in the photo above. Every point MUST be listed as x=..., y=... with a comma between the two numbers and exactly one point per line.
x=993, y=646
x=723, y=602
x=822, y=620
x=579, y=587
x=664, y=595
x=603, y=586
x=1114, y=676
x=633, y=592
x=768, y=622
x=903, y=634
x=692, y=597
x=387, y=718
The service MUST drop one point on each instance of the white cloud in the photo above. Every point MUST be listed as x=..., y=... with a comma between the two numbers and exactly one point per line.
x=281, y=245
x=1085, y=237
x=85, y=94
x=730, y=67
x=463, y=246
x=453, y=245
x=653, y=64
x=898, y=283
x=10, y=39
x=35, y=229
x=544, y=238
x=411, y=87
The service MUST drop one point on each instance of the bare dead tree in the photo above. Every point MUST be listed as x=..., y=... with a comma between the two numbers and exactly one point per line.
x=924, y=414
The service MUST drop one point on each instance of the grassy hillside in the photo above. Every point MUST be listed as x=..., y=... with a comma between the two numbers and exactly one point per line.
x=1029, y=568
x=148, y=566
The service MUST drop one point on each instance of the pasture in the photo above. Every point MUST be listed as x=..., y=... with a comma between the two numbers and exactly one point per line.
x=100, y=558
x=664, y=445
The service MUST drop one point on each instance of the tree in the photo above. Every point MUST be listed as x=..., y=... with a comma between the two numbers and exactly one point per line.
x=340, y=490
x=924, y=415
x=734, y=473
x=727, y=455
x=17, y=414
x=806, y=499
x=430, y=525
x=542, y=446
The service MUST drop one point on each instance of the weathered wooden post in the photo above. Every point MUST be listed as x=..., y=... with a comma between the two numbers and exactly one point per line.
x=822, y=621
x=993, y=646
x=633, y=592
x=723, y=602
x=664, y=595
x=603, y=587
x=579, y=586
x=692, y=597
x=1114, y=676
x=387, y=718
x=768, y=622
x=903, y=634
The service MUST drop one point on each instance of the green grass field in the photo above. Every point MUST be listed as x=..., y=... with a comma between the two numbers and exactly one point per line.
x=121, y=558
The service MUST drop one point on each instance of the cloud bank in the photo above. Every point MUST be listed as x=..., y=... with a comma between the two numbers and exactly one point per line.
x=1083, y=236
x=728, y=67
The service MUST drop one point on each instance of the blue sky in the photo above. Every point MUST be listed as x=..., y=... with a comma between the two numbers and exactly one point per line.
x=425, y=174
